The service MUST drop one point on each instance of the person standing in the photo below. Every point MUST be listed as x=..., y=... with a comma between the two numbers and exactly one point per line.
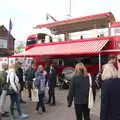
x=109, y=69
x=19, y=72
x=3, y=79
x=52, y=85
x=110, y=99
x=13, y=81
x=79, y=91
x=40, y=85
x=29, y=75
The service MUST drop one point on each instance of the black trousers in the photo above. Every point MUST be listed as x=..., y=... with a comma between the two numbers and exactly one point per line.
x=82, y=111
x=21, y=90
x=41, y=103
x=51, y=93
x=30, y=87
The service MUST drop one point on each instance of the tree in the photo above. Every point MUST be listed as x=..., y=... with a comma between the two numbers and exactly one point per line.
x=19, y=47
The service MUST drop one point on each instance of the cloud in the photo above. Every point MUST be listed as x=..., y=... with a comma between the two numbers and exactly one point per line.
x=27, y=13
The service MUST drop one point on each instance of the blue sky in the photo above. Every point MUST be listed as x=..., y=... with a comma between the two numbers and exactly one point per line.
x=25, y=14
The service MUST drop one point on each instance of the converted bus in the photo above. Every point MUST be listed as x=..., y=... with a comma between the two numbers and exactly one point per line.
x=89, y=39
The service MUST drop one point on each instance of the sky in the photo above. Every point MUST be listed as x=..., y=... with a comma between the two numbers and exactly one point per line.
x=25, y=14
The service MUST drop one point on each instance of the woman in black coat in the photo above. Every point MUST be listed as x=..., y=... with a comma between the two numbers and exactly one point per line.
x=79, y=91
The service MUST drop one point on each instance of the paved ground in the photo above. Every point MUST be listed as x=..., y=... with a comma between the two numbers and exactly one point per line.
x=58, y=112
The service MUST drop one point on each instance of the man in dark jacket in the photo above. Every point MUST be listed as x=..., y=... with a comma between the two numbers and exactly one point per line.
x=19, y=72
x=52, y=84
x=110, y=100
x=29, y=75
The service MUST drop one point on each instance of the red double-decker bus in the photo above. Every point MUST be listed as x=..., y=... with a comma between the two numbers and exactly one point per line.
x=89, y=39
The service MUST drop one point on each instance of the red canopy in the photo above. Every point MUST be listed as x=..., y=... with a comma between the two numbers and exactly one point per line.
x=68, y=48
x=115, y=24
x=33, y=36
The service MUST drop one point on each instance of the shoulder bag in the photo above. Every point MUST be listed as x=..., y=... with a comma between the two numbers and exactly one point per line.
x=90, y=97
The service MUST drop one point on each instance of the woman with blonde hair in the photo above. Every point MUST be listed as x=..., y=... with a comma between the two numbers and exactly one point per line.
x=13, y=81
x=80, y=69
x=79, y=91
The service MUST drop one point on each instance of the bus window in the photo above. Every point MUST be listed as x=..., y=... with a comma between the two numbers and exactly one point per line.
x=30, y=42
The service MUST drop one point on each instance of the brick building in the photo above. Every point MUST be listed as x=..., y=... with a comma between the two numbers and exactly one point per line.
x=7, y=42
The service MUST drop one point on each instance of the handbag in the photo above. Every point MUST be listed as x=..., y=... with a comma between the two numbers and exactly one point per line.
x=10, y=90
x=98, y=80
x=90, y=97
x=35, y=95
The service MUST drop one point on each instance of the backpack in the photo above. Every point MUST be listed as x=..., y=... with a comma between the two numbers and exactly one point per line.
x=3, y=77
x=98, y=80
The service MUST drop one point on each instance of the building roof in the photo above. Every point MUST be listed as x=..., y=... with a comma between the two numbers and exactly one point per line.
x=79, y=24
x=3, y=29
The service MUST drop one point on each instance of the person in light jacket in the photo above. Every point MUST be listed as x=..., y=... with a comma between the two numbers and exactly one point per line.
x=13, y=81
x=109, y=69
x=40, y=85
x=79, y=91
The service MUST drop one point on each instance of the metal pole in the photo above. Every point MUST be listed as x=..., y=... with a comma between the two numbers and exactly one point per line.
x=99, y=62
x=8, y=60
x=70, y=8
x=109, y=29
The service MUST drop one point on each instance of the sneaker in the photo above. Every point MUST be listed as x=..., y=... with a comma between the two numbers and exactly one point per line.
x=40, y=110
x=23, y=116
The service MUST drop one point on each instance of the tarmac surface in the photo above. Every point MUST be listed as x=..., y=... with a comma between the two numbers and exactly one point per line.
x=58, y=112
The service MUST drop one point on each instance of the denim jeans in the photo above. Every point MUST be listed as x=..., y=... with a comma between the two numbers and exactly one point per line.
x=15, y=99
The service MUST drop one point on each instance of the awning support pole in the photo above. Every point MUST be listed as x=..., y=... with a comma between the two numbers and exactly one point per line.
x=8, y=60
x=99, y=62
x=109, y=29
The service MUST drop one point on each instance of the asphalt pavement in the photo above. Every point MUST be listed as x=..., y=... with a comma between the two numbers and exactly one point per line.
x=58, y=112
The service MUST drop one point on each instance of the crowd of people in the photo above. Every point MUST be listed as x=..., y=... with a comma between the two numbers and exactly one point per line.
x=82, y=89
x=12, y=83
